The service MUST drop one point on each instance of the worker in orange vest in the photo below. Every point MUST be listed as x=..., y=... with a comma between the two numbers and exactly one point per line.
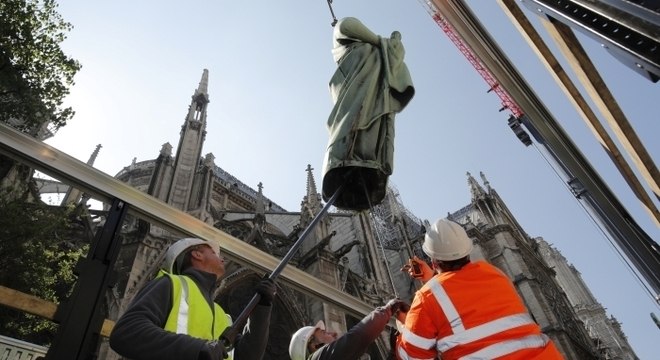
x=470, y=310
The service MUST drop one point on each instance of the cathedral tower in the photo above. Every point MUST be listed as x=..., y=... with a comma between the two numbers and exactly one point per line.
x=500, y=240
x=188, y=153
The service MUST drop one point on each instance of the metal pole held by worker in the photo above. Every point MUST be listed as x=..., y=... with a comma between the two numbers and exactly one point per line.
x=229, y=335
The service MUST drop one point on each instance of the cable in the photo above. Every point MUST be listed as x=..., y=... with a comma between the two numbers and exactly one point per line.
x=334, y=19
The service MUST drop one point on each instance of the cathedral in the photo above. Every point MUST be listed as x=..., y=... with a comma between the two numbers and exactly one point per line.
x=360, y=253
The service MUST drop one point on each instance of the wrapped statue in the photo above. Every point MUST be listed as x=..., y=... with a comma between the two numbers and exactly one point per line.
x=370, y=85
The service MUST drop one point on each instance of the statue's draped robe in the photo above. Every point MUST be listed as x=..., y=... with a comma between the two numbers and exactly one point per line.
x=370, y=86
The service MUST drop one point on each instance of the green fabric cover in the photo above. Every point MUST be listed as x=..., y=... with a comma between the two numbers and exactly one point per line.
x=370, y=85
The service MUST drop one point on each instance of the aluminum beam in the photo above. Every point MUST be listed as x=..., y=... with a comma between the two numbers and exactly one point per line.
x=630, y=33
x=104, y=187
x=601, y=96
x=641, y=250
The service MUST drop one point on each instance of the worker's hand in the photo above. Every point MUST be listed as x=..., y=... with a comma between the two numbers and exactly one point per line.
x=267, y=289
x=418, y=269
x=397, y=306
x=216, y=348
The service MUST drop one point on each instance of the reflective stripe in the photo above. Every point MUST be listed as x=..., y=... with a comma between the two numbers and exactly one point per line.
x=484, y=330
x=508, y=347
x=416, y=340
x=403, y=355
x=182, y=316
x=447, y=306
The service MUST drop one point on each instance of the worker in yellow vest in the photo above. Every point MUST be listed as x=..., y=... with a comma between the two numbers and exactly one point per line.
x=174, y=316
x=469, y=310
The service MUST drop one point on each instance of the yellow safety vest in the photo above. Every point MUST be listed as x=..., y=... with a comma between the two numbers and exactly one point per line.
x=191, y=313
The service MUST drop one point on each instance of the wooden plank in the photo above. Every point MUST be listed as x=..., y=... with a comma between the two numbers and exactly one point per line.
x=573, y=94
x=27, y=303
x=37, y=306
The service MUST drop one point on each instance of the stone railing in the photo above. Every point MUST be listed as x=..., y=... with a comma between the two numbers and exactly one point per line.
x=15, y=349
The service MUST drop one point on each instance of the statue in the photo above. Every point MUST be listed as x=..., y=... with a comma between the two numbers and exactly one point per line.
x=370, y=85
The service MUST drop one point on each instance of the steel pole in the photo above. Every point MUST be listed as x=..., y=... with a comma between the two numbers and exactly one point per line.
x=229, y=335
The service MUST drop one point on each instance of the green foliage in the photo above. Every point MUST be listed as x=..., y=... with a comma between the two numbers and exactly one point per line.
x=38, y=258
x=34, y=71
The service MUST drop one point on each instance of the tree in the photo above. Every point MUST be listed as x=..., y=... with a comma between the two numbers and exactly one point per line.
x=39, y=253
x=35, y=74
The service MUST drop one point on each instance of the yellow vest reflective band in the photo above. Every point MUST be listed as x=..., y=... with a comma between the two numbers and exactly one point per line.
x=191, y=313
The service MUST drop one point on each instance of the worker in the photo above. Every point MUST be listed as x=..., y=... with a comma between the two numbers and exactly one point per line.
x=469, y=310
x=174, y=316
x=318, y=343
x=370, y=86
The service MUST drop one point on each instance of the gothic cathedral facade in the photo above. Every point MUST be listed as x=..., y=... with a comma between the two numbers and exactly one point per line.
x=358, y=252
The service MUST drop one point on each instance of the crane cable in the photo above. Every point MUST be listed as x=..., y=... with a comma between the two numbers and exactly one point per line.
x=334, y=19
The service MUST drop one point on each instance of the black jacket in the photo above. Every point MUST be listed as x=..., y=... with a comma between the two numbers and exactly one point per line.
x=355, y=342
x=139, y=333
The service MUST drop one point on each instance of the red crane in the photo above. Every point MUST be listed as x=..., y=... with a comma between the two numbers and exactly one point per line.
x=507, y=101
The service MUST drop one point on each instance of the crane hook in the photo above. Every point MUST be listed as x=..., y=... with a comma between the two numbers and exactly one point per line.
x=334, y=19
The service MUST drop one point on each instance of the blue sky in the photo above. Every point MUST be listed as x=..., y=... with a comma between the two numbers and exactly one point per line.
x=269, y=66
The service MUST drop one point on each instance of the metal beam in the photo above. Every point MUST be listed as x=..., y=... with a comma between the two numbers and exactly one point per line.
x=640, y=249
x=630, y=36
x=103, y=187
x=80, y=315
x=600, y=94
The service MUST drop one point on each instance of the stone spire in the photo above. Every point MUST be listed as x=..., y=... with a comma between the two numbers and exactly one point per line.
x=166, y=149
x=485, y=181
x=309, y=207
x=475, y=189
x=260, y=207
x=95, y=153
x=73, y=195
x=203, y=87
x=312, y=198
x=188, y=153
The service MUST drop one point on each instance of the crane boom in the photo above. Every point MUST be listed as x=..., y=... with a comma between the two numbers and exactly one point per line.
x=507, y=100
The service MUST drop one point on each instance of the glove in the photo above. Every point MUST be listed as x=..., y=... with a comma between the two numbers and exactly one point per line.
x=397, y=305
x=267, y=289
x=418, y=269
x=215, y=348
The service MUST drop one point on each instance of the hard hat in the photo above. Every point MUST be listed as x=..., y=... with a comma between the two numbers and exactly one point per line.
x=176, y=249
x=446, y=241
x=300, y=339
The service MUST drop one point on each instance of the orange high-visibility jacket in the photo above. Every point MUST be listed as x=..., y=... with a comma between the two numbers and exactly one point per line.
x=472, y=313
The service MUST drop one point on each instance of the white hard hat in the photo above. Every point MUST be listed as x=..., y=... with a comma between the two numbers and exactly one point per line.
x=176, y=249
x=446, y=241
x=300, y=339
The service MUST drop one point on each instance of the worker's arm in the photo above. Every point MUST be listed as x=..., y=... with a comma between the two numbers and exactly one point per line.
x=251, y=344
x=356, y=341
x=419, y=328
